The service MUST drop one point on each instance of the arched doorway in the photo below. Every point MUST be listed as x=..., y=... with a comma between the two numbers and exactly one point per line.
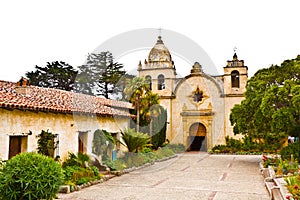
x=197, y=137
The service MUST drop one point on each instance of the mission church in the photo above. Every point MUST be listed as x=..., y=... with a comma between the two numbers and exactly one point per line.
x=198, y=108
x=199, y=104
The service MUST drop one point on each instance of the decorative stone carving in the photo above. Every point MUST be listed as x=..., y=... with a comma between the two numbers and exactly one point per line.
x=197, y=69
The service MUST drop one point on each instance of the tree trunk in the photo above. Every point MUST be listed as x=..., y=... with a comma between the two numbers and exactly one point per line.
x=138, y=116
x=150, y=129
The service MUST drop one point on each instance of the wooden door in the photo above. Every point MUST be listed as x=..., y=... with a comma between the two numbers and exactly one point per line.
x=14, y=146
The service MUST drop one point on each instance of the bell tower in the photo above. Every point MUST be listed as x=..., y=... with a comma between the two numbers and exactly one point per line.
x=159, y=69
x=235, y=77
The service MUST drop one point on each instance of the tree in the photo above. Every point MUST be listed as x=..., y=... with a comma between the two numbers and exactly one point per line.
x=135, y=89
x=85, y=79
x=159, y=127
x=108, y=81
x=57, y=74
x=149, y=110
x=151, y=117
x=124, y=80
x=271, y=108
x=101, y=137
x=100, y=76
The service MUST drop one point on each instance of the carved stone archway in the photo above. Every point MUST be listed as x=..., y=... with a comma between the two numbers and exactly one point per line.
x=197, y=137
x=190, y=130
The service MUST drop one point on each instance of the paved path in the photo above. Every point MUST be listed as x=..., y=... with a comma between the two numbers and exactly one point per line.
x=189, y=176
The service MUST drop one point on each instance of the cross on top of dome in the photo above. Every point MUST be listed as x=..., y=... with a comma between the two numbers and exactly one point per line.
x=159, y=52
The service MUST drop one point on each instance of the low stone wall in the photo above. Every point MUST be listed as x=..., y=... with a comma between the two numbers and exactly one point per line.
x=275, y=184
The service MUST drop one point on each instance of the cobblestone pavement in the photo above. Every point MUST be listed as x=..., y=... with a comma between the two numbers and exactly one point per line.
x=189, y=176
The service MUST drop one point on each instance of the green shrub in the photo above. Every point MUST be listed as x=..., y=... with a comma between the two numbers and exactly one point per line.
x=1, y=163
x=149, y=157
x=46, y=143
x=146, y=150
x=293, y=183
x=291, y=149
x=176, y=148
x=221, y=148
x=99, y=142
x=138, y=159
x=233, y=144
x=68, y=171
x=95, y=170
x=30, y=176
x=134, y=141
x=82, y=181
x=76, y=160
x=164, y=152
x=82, y=173
x=287, y=166
x=78, y=175
x=111, y=164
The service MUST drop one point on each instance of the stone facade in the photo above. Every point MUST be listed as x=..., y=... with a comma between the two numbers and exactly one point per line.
x=199, y=104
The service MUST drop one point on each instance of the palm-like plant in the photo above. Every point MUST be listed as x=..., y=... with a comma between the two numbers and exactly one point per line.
x=135, y=89
x=134, y=140
x=150, y=109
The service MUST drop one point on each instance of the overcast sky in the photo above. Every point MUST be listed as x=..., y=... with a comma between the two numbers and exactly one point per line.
x=35, y=32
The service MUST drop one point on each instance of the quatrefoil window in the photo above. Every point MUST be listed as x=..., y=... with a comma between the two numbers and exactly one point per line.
x=198, y=95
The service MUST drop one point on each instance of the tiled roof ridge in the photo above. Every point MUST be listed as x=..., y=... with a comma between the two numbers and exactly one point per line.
x=51, y=99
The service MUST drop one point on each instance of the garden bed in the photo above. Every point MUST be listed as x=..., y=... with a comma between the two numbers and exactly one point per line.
x=110, y=174
x=278, y=176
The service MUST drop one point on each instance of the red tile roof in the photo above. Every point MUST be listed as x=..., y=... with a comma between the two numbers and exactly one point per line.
x=49, y=99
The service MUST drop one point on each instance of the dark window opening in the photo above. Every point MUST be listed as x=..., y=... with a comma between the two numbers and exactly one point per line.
x=235, y=79
x=161, y=82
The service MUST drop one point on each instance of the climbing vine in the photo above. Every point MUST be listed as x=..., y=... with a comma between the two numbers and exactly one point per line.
x=46, y=143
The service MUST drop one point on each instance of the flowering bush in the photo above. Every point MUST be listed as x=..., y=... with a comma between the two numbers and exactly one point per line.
x=293, y=183
x=272, y=160
x=287, y=167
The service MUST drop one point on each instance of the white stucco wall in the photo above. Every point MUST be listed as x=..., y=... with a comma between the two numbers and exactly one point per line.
x=16, y=122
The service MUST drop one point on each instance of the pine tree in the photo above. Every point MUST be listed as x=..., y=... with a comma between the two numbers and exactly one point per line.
x=109, y=82
x=57, y=74
x=100, y=76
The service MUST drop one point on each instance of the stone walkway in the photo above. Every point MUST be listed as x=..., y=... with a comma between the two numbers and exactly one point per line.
x=190, y=176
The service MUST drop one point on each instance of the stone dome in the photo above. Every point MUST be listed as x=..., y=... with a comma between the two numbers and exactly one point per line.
x=159, y=53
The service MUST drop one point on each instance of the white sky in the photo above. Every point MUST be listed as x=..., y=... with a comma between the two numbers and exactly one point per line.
x=34, y=32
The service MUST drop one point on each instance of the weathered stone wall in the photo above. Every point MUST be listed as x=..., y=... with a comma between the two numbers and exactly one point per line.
x=209, y=111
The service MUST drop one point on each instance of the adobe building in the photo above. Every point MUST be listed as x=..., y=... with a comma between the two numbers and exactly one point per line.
x=199, y=104
x=26, y=110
